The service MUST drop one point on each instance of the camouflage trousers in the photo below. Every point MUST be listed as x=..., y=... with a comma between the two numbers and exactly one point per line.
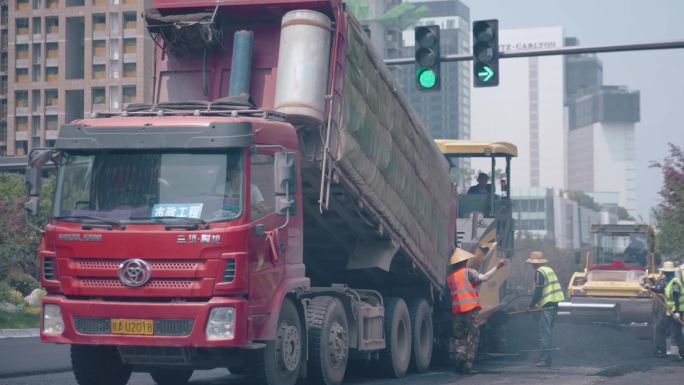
x=466, y=338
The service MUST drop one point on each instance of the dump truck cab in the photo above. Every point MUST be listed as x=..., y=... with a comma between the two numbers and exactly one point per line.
x=621, y=257
x=485, y=221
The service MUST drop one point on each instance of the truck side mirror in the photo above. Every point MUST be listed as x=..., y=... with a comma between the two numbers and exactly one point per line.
x=285, y=173
x=37, y=159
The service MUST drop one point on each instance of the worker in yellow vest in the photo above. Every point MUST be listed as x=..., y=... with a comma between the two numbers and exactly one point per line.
x=547, y=293
x=465, y=307
x=671, y=288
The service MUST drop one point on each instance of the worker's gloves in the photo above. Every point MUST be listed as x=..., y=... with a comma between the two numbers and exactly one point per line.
x=676, y=316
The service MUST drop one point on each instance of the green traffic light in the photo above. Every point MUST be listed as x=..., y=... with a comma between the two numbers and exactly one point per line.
x=427, y=78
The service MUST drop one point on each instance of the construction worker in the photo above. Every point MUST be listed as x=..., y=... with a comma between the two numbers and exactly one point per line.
x=670, y=286
x=465, y=307
x=547, y=293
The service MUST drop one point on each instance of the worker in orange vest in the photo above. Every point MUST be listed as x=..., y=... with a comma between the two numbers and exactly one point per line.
x=465, y=307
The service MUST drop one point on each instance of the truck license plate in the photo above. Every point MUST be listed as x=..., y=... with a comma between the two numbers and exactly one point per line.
x=143, y=327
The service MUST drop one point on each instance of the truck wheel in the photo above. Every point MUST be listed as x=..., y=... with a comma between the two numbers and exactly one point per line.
x=280, y=361
x=171, y=376
x=395, y=358
x=98, y=365
x=328, y=341
x=422, y=335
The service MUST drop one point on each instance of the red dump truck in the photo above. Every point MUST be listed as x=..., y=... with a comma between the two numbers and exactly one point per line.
x=278, y=210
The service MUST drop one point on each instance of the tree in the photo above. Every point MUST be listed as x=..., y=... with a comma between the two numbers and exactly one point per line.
x=18, y=243
x=623, y=214
x=669, y=213
x=584, y=200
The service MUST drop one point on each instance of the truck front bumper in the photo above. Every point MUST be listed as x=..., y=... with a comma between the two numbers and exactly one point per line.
x=178, y=324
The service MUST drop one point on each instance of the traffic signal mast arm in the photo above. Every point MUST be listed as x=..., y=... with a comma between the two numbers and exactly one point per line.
x=672, y=44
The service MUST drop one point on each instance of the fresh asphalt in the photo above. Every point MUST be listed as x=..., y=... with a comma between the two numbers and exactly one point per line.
x=587, y=355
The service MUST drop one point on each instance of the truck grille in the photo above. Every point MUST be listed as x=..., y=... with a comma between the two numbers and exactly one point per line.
x=165, y=327
x=113, y=265
x=161, y=284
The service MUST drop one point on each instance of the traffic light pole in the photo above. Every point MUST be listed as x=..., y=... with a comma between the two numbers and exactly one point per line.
x=574, y=50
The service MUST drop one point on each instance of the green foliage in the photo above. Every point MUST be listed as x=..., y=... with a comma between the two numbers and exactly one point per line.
x=4, y=292
x=670, y=212
x=584, y=200
x=18, y=243
x=19, y=320
x=623, y=215
x=23, y=283
x=15, y=298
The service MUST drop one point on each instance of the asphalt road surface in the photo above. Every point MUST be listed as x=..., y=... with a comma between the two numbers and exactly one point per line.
x=587, y=355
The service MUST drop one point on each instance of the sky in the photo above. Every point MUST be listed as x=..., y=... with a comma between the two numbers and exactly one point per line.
x=658, y=75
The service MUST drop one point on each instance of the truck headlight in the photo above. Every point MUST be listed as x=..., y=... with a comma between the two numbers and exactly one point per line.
x=221, y=324
x=53, y=323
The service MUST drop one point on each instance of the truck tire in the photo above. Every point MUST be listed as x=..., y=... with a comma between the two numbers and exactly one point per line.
x=171, y=376
x=98, y=365
x=280, y=361
x=422, y=335
x=395, y=358
x=328, y=341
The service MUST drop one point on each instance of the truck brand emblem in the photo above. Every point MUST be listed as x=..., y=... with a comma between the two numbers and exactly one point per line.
x=210, y=238
x=180, y=239
x=134, y=272
x=78, y=238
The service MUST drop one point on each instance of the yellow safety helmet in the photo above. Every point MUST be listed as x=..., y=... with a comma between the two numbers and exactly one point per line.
x=460, y=255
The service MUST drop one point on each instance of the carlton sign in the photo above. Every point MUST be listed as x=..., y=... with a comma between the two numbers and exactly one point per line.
x=528, y=46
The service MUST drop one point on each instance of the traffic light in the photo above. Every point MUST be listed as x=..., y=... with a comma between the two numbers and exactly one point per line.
x=427, y=58
x=486, y=53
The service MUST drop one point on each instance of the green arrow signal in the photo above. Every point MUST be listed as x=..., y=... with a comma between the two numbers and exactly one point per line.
x=486, y=74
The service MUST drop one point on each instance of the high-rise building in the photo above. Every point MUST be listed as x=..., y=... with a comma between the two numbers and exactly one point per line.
x=601, y=146
x=446, y=113
x=527, y=108
x=383, y=30
x=4, y=19
x=583, y=73
x=67, y=59
x=601, y=123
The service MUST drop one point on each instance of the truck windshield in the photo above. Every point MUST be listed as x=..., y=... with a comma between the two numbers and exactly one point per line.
x=621, y=249
x=149, y=186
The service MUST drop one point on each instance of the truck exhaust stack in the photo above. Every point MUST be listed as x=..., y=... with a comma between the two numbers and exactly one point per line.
x=241, y=67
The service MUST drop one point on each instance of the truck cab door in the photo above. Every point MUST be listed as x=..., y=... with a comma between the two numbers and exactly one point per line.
x=266, y=235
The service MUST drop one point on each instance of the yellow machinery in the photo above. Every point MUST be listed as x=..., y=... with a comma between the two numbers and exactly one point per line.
x=485, y=222
x=609, y=287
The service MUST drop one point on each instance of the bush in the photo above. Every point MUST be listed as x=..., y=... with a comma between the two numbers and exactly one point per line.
x=32, y=310
x=23, y=283
x=4, y=292
x=15, y=298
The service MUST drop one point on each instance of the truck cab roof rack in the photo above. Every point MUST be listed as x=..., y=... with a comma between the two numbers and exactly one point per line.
x=230, y=106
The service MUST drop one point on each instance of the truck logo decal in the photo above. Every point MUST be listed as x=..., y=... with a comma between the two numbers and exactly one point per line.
x=78, y=238
x=134, y=272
